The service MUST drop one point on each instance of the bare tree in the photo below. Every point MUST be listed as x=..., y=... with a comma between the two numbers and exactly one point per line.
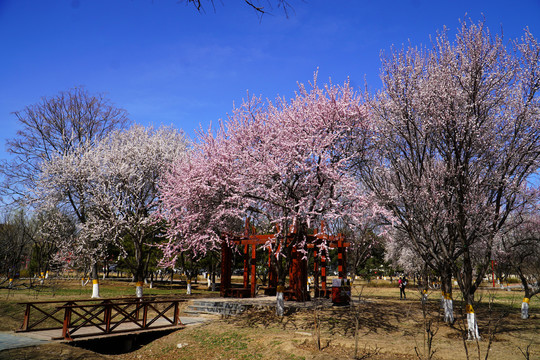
x=15, y=244
x=257, y=5
x=29, y=241
x=51, y=128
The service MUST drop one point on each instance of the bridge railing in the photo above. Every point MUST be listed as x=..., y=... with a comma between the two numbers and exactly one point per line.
x=78, y=318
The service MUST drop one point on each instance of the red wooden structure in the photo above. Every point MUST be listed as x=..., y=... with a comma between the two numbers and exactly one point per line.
x=298, y=271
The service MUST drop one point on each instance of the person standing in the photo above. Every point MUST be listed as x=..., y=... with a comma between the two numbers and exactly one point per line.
x=402, y=285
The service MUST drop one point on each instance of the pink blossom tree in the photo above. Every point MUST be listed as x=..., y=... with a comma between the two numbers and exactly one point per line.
x=118, y=177
x=458, y=138
x=284, y=163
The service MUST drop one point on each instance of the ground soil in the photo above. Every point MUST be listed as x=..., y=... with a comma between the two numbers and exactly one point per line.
x=388, y=329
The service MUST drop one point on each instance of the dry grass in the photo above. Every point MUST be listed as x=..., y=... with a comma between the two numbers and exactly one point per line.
x=389, y=329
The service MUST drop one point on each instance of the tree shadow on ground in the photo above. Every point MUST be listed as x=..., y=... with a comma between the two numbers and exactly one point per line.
x=373, y=318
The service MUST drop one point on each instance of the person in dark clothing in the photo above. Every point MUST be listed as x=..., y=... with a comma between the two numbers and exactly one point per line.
x=402, y=285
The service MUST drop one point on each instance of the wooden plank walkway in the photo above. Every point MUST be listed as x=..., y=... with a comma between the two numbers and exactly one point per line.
x=93, y=332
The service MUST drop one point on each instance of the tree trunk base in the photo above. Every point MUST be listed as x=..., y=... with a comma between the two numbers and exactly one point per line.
x=525, y=308
x=139, y=289
x=448, y=306
x=472, y=327
x=95, y=289
x=280, y=304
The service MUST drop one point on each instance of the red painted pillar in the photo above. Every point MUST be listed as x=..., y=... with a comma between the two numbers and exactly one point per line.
x=246, y=265
x=253, y=270
x=323, y=272
x=344, y=256
x=316, y=272
x=292, y=271
x=341, y=272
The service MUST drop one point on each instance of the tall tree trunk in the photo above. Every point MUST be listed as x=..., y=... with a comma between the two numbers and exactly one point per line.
x=280, y=303
x=527, y=297
x=281, y=275
x=139, y=270
x=188, y=286
x=468, y=284
x=446, y=288
x=472, y=322
x=213, y=274
x=525, y=307
x=95, y=281
x=424, y=282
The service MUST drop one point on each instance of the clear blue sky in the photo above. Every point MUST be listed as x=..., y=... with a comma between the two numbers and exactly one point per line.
x=165, y=63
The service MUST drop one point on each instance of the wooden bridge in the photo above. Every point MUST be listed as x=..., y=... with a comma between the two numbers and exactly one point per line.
x=76, y=319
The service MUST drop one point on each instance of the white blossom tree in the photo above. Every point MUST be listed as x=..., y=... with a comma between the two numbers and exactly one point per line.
x=458, y=137
x=56, y=126
x=64, y=184
x=119, y=179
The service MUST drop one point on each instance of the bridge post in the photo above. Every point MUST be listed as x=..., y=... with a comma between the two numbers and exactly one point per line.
x=145, y=313
x=107, y=316
x=137, y=308
x=26, y=320
x=67, y=322
x=176, y=318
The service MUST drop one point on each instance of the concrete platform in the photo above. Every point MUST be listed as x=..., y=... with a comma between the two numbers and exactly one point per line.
x=11, y=340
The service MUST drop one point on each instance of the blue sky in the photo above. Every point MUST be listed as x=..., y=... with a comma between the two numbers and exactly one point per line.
x=165, y=63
